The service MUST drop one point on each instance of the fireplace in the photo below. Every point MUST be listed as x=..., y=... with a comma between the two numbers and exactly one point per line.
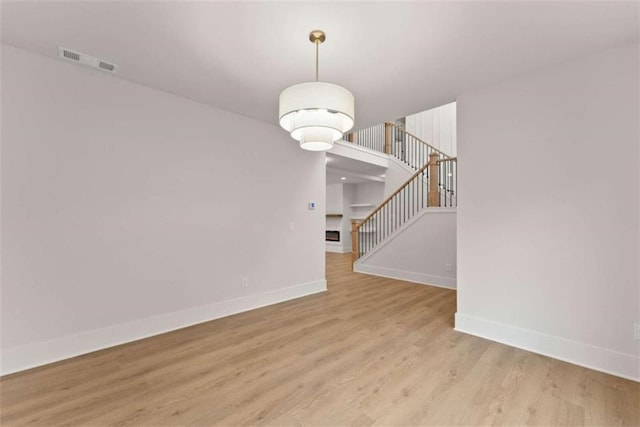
x=332, y=235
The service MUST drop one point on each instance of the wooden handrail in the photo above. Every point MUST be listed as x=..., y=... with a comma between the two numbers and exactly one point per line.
x=381, y=205
x=413, y=136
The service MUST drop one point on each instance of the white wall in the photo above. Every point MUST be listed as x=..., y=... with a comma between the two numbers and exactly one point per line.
x=422, y=251
x=437, y=127
x=369, y=192
x=334, y=199
x=548, y=260
x=127, y=211
x=396, y=175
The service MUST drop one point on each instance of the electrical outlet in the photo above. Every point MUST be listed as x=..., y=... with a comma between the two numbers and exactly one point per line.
x=448, y=267
x=245, y=282
x=636, y=331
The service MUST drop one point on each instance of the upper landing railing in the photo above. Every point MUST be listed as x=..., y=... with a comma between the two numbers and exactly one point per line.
x=391, y=139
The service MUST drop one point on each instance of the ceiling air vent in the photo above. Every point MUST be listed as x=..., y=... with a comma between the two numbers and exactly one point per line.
x=71, y=55
x=106, y=66
x=84, y=59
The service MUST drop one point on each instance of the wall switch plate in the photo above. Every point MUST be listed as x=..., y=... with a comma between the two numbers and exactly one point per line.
x=312, y=205
x=245, y=282
x=636, y=331
x=292, y=227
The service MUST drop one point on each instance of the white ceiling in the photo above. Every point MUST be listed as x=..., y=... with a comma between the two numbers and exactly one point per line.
x=397, y=58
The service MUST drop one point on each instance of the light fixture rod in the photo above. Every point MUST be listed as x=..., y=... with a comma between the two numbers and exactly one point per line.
x=316, y=37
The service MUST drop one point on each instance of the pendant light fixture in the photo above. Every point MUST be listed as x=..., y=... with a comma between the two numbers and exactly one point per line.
x=316, y=113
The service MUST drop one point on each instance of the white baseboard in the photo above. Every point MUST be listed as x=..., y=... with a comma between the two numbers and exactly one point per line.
x=592, y=357
x=336, y=250
x=336, y=247
x=409, y=276
x=42, y=353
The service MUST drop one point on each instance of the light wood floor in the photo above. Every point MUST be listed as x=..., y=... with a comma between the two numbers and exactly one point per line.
x=369, y=351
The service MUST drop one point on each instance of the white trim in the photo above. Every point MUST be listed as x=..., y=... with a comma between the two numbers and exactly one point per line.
x=42, y=353
x=336, y=247
x=357, y=152
x=592, y=357
x=408, y=276
x=347, y=144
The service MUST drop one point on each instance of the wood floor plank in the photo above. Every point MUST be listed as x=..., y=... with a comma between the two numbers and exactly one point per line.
x=370, y=351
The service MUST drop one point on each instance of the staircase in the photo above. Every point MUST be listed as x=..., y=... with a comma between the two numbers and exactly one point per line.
x=432, y=185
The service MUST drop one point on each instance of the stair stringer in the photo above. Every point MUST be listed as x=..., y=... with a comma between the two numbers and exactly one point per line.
x=420, y=251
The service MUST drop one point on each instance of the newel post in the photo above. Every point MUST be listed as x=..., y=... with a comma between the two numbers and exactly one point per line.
x=387, y=137
x=354, y=240
x=434, y=192
x=349, y=137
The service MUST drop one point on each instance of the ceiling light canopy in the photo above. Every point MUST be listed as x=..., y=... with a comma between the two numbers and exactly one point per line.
x=316, y=113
